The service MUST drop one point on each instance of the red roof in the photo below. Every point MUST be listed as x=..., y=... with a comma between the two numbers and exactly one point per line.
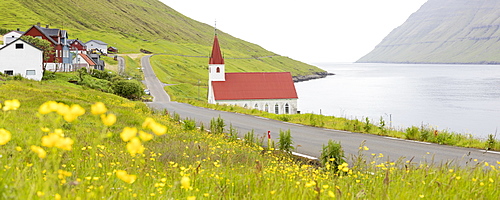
x=255, y=85
x=87, y=59
x=216, y=57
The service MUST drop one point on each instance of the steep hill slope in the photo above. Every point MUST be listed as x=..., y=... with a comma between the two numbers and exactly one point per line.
x=131, y=25
x=444, y=31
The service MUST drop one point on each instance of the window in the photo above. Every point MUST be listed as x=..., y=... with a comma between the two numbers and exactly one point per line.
x=9, y=72
x=287, y=109
x=217, y=70
x=30, y=72
x=276, y=109
x=256, y=106
x=267, y=108
x=246, y=106
x=19, y=46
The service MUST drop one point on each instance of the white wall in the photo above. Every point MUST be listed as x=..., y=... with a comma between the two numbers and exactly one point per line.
x=9, y=37
x=22, y=61
x=94, y=45
x=261, y=104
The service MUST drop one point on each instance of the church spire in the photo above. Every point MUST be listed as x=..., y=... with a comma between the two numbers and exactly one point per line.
x=216, y=57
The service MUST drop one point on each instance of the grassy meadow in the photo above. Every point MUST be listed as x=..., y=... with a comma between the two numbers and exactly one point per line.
x=52, y=152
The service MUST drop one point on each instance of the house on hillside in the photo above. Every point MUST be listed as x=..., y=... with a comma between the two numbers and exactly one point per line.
x=77, y=46
x=21, y=57
x=112, y=50
x=272, y=92
x=11, y=36
x=61, y=60
x=98, y=46
x=83, y=60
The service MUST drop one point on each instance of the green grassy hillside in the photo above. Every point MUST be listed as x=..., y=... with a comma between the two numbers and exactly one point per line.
x=131, y=25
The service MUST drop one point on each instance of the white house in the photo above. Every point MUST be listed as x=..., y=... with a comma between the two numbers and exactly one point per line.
x=97, y=44
x=11, y=36
x=21, y=57
x=272, y=92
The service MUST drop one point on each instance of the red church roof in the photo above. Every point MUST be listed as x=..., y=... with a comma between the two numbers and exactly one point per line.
x=216, y=57
x=255, y=85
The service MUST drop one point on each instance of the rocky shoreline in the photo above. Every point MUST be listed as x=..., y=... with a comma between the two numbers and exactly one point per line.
x=316, y=75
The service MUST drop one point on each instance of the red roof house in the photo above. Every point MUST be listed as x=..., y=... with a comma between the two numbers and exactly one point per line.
x=268, y=91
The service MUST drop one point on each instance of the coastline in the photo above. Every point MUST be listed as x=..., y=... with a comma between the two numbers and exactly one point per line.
x=316, y=75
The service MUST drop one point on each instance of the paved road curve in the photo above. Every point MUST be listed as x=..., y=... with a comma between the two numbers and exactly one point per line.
x=311, y=139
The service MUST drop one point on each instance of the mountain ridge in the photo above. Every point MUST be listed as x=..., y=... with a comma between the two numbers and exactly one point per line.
x=444, y=32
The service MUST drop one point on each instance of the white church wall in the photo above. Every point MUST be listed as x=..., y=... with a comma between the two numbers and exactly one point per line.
x=260, y=104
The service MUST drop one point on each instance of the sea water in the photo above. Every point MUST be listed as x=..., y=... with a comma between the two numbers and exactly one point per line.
x=458, y=98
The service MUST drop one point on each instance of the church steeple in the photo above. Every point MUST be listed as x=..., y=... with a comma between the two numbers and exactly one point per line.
x=216, y=57
x=216, y=71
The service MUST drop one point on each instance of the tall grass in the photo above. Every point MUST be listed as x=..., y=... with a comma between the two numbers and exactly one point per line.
x=188, y=164
x=422, y=133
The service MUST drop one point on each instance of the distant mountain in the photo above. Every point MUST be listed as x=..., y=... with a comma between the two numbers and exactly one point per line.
x=444, y=31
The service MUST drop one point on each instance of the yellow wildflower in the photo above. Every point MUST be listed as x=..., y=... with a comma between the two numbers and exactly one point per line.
x=50, y=140
x=73, y=112
x=39, y=150
x=135, y=146
x=191, y=198
x=47, y=107
x=147, y=121
x=40, y=193
x=185, y=183
x=5, y=136
x=57, y=197
x=158, y=129
x=65, y=143
x=124, y=176
x=18, y=148
x=98, y=108
x=331, y=194
x=145, y=136
x=366, y=148
x=11, y=105
x=108, y=120
x=128, y=133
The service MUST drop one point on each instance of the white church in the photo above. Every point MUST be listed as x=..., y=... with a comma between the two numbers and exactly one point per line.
x=272, y=92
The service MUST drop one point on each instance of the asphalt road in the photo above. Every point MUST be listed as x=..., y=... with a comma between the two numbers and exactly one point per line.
x=309, y=140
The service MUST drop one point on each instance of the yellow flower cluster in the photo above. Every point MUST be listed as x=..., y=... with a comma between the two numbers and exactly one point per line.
x=13, y=104
x=100, y=109
x=5, y=136
x=134, y=145
x=58, y=140
x=157, y=128
x=39, y=151
x=69, y=113
x=186, y=183
x=124, y=176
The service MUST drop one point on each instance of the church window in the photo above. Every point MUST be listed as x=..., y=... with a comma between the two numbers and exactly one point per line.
x=276, y=109
x=217, y=70
x=256, y=106
x=246, y=106
x=267, y=108
x=287, y=109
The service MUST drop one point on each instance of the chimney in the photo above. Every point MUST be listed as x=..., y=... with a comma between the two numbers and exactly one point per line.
x=38, y=24
x=46, y=26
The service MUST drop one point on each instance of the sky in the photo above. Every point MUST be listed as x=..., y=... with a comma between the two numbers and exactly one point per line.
x=312, y=31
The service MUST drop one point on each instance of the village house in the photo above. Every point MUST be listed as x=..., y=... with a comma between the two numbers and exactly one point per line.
x=61, y=60
x=77, y=46
x=11, y=36
x=97, y=45
x=23, y=58
x=272, y=92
